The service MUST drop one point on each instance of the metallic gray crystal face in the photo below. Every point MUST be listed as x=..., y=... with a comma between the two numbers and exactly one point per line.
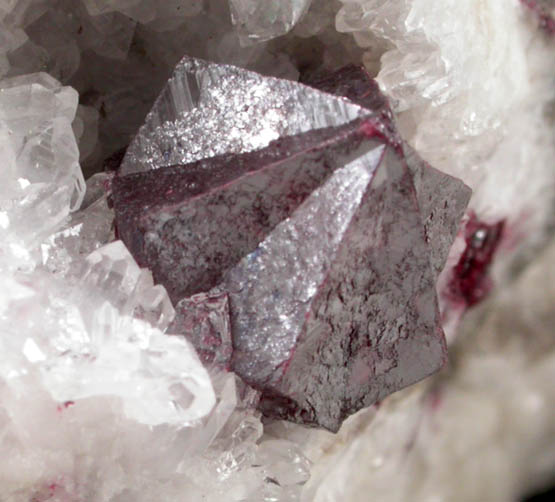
x=442, y=199
x=209, y=109
x=322, y=241
x=272, y=288
x=190, y=224
x=336, y=309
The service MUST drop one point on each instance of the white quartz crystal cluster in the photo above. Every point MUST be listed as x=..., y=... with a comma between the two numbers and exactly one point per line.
x=99, y=403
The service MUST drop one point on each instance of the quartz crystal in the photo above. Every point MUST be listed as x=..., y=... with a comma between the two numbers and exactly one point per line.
x=86, y=230
x=261, y=20
x=321, y=240
x=204, y=320
x=41, y=177
x=114, y=319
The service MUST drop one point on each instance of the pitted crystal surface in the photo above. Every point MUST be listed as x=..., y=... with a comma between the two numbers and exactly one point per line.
x=346, y=315
x=326, y=242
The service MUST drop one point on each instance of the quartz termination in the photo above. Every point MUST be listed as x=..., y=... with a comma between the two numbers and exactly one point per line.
x=261, y=20
x=204, y=320
x=326, y=241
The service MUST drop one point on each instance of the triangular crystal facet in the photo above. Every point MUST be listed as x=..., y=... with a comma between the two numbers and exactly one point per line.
x=303, y=211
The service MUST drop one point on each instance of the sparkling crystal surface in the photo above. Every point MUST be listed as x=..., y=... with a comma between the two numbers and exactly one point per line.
x=471, y=84
x=337, y=319
x=321, y=241
x=168, y=216
x=88, y=371
x=191, y=119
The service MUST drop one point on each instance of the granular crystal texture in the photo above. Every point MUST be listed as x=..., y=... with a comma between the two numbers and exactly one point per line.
x=322, y=242
x=336, y=308
x=191, y=119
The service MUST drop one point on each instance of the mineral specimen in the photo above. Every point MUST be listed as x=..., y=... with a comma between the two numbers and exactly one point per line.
x=441, y=199
x=336, y=308
x=320, y=239
x=209, y=109
x=41, y=177
x=463, y=77
x=471, y=84
x=114, y=325
x=108, y=403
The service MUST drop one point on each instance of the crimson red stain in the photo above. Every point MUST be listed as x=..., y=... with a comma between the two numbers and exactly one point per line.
x=470, y=280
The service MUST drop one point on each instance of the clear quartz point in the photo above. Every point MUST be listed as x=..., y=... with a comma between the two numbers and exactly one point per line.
x=262, y=20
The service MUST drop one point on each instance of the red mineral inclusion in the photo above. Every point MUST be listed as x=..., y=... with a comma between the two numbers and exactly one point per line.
x=65, y=405
x=47, y=494
x=541, y=9
x=470, y=279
